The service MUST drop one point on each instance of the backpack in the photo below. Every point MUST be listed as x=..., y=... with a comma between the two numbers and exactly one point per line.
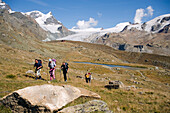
x=66, y=66
x=88, y=75
x=53, y=62
x=40, y=61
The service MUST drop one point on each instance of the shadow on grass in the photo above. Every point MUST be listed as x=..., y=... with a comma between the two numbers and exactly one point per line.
x=33, y=77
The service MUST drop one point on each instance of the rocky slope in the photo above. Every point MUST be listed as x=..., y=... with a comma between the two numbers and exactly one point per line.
x=159, y=24
x=3, y=5
x=150, y=37
x=137, y=41
x=19, y=31
x=48, y=22
x=52, y=29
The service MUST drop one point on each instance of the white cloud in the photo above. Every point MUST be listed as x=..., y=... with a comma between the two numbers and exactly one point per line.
x=150, y=10
x=99, y=14
x=140, y=13
x=82, y=24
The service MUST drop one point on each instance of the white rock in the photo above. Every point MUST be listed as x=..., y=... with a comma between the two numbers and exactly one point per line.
x=49, y=96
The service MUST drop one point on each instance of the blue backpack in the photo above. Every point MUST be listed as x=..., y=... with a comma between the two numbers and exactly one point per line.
x=40, y=61
x=66, y=66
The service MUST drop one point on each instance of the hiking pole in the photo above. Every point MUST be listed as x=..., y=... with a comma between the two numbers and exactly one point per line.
x=47, y=76
x=60, y=74
x=35, y=73
x=55, y=70
x=68, y=76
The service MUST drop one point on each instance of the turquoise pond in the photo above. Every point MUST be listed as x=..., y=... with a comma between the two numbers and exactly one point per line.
x=109, y=65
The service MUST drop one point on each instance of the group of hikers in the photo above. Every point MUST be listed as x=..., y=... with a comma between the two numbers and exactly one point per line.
x=52, y=66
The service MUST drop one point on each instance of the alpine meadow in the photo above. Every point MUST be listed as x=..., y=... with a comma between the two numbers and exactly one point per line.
x=46, y=67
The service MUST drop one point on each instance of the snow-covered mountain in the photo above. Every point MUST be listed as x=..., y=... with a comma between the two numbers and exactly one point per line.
x=52, y=27
x=150, y=37
x=49, y=23
x=89, y=34
x=46, y=21
x=3, y=5
x=155, y=25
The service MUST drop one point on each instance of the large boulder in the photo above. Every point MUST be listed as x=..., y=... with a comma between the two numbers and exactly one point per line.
x=44, y=98
x=88, y=107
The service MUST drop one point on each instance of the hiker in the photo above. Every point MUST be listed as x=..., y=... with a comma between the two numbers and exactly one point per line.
x=38, y=66
x=52, y=65
x=65, y=68
x=88, y=77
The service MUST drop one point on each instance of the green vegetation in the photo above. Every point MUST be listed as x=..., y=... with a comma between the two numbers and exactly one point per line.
x=4, y=109
x=151, y=94
x=10, y=76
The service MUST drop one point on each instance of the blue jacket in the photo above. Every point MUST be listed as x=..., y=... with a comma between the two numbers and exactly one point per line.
x=37, y=64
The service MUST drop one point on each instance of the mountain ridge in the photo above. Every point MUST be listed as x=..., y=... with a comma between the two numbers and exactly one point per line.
x=149, y=37
x=52, y=27
x=159, y=24
x=48, y=22
x=154, y=26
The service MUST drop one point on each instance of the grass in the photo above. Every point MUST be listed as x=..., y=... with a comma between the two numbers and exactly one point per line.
x=4, y=109
x=79, y=101
x=155, y=94
x=10, y=76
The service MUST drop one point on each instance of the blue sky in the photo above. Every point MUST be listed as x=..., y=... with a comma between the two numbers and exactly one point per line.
x=107, y=13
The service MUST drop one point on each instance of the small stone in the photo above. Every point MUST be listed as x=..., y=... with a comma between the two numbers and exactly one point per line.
x=156, y=68
x=114, y=85
x=44, y=73
x=88, y=107
x=127, y=88
x=167, y=84
x=115, y=101
x=141, y=93
x=79, y=77
x=118, y=109
x=133, y=86
x=30, y=71
x=141, y=103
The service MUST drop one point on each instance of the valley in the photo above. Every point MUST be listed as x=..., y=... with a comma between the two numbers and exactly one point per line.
x=143, y=89
x=25, y=37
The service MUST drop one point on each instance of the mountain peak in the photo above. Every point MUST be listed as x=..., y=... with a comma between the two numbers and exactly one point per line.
x=155, y=25
x=50, y=13
x=48, y=22
x=3, y=5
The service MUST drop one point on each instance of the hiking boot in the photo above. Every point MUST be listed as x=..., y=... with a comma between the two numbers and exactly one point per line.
x=39, y=77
